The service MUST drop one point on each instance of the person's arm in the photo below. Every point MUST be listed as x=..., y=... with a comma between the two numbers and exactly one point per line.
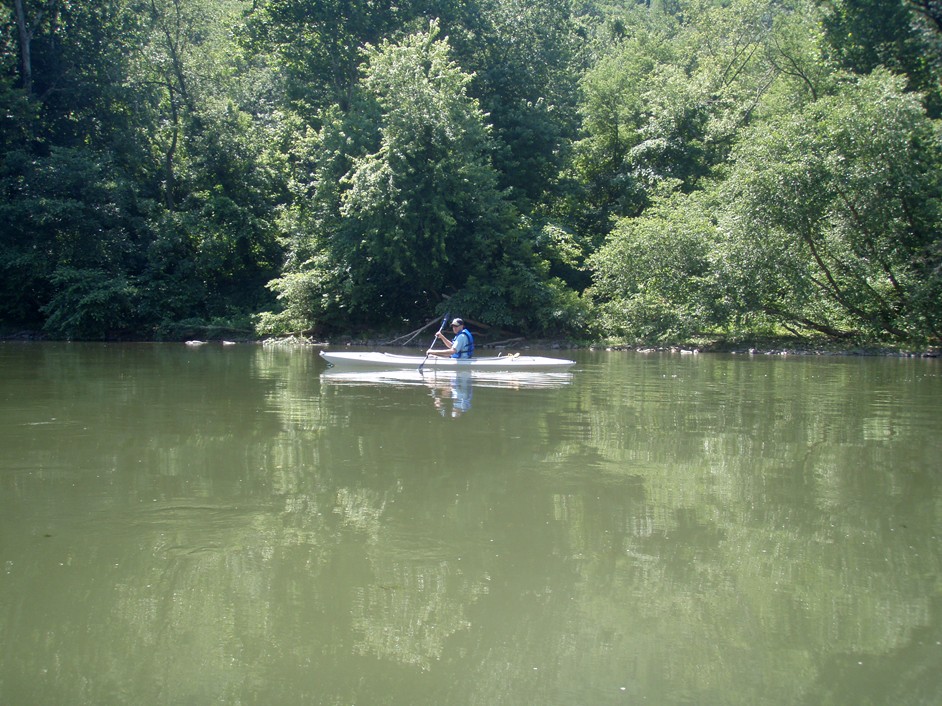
x=444, y=339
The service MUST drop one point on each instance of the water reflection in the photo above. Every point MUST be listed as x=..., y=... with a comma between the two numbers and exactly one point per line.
x=514, y=380
x=451, y=392
x=239, y=526
x=457, y=395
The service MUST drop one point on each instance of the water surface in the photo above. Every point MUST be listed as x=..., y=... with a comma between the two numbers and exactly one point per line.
x=237, y=524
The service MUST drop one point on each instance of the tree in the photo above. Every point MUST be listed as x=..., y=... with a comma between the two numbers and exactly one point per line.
x=317, y=45
x=664, y=104
x=614, y=113
x=835, y=213
x=132, y=161
x=655, y=278
x=425, y=206
x=901, y=35
x=74, y=226
x=72, y=237
x=403, y=207
x=212, y=162
x=417, y=209
x=526, y=58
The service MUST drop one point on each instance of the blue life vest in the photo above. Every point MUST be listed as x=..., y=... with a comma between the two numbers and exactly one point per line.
x=469, y=351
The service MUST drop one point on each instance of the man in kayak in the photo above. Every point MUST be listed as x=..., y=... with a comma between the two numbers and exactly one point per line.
x=461, y=347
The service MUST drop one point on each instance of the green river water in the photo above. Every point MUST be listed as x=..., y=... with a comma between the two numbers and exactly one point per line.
x=238, y=525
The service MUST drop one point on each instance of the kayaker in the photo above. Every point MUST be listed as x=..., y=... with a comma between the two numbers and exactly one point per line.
x=461, y=347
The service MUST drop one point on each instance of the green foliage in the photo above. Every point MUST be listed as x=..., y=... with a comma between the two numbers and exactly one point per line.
x=424, y=207
x=614, y=114
x=408, y=214
x=18, y=119
x=665, y=102
x=385, y=227
x=655, y=278
x=827, y=220
x=136, y=168
x=175, y=166
x=518, y=292
x=835, y=211
x=70, y=211
x=316, y=45
x=865, y=34
x=820, y=213
x=90, y=304
x=526, y=59
x=77, y=51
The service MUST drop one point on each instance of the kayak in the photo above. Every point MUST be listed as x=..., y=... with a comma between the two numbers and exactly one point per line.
x=392, y=360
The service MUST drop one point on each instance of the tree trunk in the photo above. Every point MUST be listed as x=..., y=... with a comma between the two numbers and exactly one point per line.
x=26, y=38
x=172, y=149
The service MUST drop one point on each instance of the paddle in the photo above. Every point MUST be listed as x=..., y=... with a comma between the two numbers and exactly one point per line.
x=434, y=339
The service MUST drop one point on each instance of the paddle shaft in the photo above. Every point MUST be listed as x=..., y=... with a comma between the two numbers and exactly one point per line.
x=434, y=339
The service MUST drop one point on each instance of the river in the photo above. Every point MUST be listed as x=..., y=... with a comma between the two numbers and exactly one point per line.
x=239, y=525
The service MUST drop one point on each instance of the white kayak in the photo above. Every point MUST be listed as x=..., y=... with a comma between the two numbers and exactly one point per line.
x=433, y=362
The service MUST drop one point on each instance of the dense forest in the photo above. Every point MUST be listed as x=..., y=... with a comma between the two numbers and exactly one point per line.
x=643, y=171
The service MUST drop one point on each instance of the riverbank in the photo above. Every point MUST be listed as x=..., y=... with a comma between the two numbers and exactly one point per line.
x=781, y=346
x=769, y=346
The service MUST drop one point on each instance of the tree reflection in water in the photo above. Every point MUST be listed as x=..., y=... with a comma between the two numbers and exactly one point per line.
x=204, y=526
